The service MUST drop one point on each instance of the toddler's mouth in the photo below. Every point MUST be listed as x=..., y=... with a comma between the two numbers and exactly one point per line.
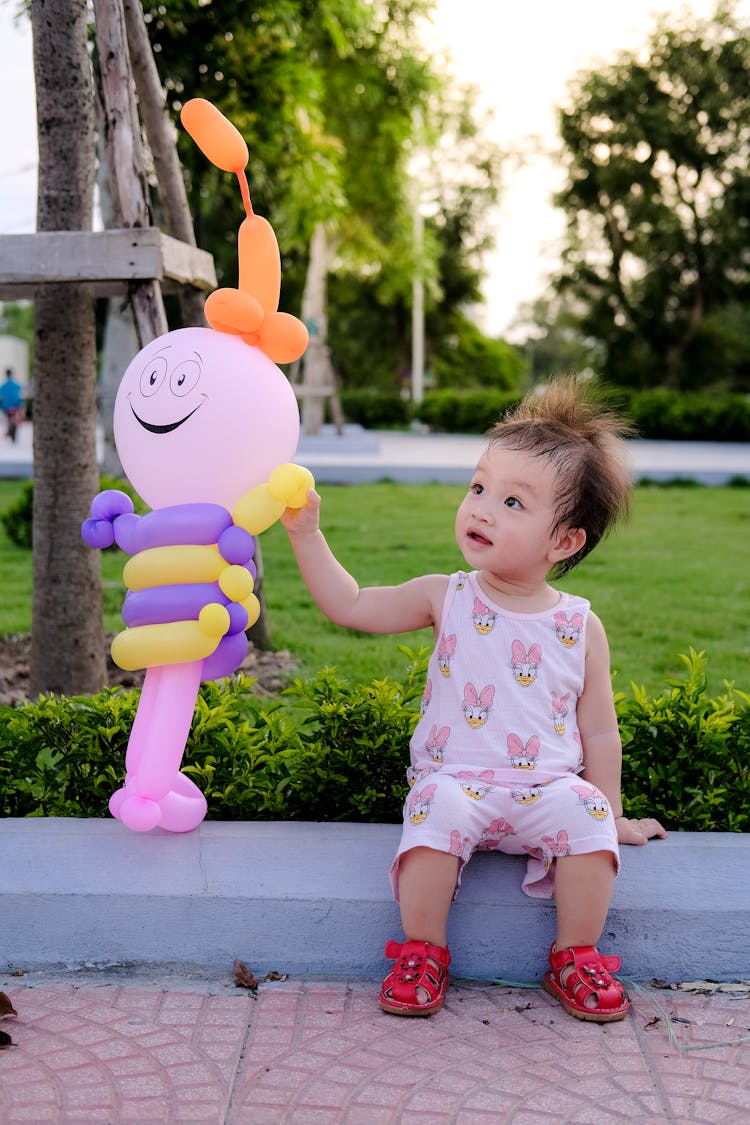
x=479, y=539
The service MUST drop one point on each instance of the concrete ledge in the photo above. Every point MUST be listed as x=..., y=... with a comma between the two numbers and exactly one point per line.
x=314, y=899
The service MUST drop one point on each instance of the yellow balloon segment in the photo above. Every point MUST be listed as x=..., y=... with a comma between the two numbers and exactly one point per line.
x=291, y=483
x=164, y=566
x=236, y=582
x=257, y=510
x=213, y=620
x=177, y=642
x=252, y=608
x=287, y=487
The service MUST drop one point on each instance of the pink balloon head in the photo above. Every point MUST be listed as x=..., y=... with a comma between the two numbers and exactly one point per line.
x=201, y=416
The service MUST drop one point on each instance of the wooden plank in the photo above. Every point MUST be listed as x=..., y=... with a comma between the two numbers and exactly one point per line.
x=108, y=260
x=186, y=264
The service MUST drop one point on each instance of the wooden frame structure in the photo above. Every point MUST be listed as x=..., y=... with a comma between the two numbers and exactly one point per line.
x=110, y=261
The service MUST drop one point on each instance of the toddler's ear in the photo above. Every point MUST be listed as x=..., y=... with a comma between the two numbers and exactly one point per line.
x=568, y=541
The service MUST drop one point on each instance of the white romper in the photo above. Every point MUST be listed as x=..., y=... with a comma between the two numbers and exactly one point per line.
x=496, y=753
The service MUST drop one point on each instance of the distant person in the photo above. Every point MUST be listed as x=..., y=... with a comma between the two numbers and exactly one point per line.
x=517, y=749
x=11, y=403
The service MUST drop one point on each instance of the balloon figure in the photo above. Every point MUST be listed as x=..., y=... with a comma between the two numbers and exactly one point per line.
x=205, y=426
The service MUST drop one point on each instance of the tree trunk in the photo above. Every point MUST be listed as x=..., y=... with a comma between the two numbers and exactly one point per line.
x=316, y=360
x=67, y=649
x=124, y=155
x=162, y=141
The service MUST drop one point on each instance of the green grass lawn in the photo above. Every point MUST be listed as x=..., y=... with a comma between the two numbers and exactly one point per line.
x=676, y=575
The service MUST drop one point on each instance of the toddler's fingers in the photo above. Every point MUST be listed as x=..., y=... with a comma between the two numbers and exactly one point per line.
x=304, y=518
x=652, y=828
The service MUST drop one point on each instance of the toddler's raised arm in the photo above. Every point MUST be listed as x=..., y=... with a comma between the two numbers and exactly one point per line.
x=374, y=609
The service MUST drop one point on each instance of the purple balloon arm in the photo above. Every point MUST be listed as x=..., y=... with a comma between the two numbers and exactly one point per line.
x=97, y=533
x=182, y=523
x=106, y=508
x=157, y=605
x=126, y=532
x=237, y=546
x=110, y=504
x=226, y=658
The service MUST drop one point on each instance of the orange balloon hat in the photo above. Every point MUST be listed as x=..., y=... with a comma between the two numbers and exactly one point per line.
x=250, y=310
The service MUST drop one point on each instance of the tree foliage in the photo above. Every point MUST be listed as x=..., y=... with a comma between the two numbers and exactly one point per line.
x=657, y=194
x=335, y=99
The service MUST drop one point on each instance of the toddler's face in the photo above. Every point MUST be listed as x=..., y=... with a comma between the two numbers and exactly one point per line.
x=504, y=523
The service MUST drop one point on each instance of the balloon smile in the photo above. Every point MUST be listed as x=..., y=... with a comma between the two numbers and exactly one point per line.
x=165, y=429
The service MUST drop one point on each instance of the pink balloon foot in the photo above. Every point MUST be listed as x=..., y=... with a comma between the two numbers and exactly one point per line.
x=115, y=801
x=182, y=809
x=140, y=814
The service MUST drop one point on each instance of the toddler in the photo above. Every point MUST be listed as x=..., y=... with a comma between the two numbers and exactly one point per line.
x=517, y=748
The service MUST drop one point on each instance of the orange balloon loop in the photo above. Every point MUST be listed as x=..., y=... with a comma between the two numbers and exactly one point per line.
x=215, y=136
x=231, y=310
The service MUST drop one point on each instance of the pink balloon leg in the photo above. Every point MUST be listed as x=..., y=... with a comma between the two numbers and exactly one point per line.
x=155, y=793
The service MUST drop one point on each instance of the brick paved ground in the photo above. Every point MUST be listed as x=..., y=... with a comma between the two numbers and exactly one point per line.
x=308, y=1053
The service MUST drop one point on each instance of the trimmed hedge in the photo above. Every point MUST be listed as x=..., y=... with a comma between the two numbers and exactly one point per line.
x=332, y=750
x=674, y=416
x=656, y=414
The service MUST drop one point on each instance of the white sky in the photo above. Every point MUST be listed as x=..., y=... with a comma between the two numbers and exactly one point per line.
x=519, y=53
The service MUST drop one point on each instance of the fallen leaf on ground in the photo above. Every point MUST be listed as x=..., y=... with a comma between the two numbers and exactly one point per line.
x=6, y=1006
x=735, y=989
x=276, y=976
x=244, y=977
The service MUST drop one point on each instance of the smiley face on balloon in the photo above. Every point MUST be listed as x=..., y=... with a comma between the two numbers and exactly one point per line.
x=205, y=426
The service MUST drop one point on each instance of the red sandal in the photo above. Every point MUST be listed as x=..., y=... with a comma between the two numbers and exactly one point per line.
x=587, y=991
x=418, y=965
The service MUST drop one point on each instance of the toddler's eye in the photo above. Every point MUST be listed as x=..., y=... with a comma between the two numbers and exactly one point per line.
x=513, y=502
x=477, y=489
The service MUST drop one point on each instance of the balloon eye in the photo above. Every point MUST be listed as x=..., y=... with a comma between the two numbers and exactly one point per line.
x=153, y=375
x=184, y=377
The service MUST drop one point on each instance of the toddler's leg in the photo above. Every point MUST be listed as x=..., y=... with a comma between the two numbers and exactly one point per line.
x=583, y=889
x=427, y=882
x=416, y=984
x=579, y=975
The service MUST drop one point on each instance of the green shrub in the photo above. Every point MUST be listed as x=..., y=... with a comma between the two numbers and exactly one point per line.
x=355, y=748
x=375, y=409
x=465, y=412
x=464, y=357
x=662, y=414
x=64, y=757
x=17, y=519
x=686, y=757
x=658, y=414
x=323, y=750
x=333, y=750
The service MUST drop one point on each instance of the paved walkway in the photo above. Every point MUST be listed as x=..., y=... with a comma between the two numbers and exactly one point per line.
x=361, y=455
x=315, y=1053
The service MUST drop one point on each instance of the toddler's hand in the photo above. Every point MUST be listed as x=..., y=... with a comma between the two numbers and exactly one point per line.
x=638, y=832
x=303, y=521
